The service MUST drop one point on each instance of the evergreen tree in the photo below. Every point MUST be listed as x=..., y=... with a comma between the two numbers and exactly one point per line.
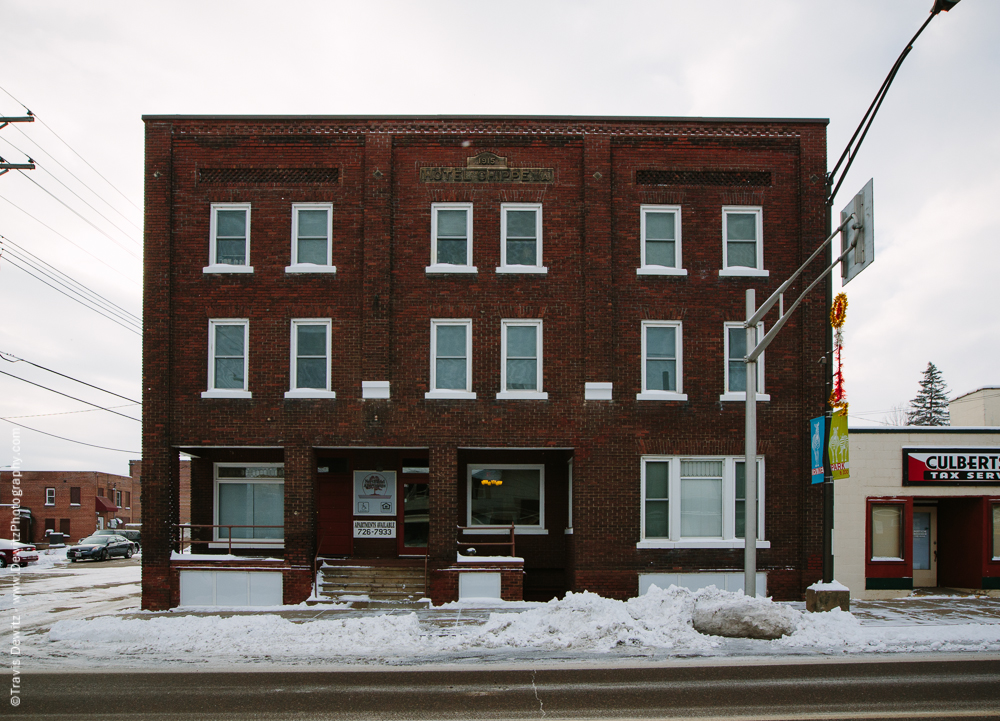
x=930, y=407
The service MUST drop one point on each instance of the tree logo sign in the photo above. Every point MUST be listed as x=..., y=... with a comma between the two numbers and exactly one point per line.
x=375, y=493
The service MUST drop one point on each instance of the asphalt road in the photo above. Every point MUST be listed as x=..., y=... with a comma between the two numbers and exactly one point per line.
x=917, y=689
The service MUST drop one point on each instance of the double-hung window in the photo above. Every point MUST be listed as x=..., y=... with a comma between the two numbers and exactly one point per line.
x=660, y=240
x=451, y=238
x=521, y=238
x=250, y=502
x=742, y=241
x=521, y=365
x=312, y=233
x=697, y=502
x=735, y=369
x=227, y=358
x=310, y=362
x=50, y=496
x=662, y=361
x=501, y=495
x=229, y=244
x=451, y=359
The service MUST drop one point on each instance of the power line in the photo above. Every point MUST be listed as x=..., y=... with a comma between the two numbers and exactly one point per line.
x=14, y=263
x=63, y=375
x=79, y=215
x=68, y=413
x=66, y=280
x=61, y=438
x=72, y=242
x=66, y=277
x=7, y=92
x=87, y=163
x=53, y=390
x=81, y=198
x=72, y=174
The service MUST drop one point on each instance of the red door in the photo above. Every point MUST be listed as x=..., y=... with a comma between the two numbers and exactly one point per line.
x=333, y=499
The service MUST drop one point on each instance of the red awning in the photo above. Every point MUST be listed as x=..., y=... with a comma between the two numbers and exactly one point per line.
x=104, y=505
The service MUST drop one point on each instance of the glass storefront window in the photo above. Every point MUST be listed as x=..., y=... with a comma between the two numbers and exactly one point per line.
x=887, y=532
x=501, y=496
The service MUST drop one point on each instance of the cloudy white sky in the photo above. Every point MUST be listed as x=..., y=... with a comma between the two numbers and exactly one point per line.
x=89, y=71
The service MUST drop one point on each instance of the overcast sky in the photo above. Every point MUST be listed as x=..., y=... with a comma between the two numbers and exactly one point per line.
x=89, y=71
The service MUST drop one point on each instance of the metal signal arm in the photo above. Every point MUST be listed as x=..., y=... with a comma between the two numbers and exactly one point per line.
x=778, y=294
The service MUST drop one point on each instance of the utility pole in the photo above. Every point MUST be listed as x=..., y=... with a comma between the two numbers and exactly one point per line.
x=6, y=167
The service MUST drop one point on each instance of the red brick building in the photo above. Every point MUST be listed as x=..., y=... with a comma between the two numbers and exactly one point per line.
x=74, y=503
x=390, y=338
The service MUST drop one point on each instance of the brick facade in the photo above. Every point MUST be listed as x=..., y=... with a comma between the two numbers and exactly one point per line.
x=63, y=514
x=598, y=172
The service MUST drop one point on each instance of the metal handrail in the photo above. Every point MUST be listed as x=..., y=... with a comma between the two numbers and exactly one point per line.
x=499, y=531
x=230, y=527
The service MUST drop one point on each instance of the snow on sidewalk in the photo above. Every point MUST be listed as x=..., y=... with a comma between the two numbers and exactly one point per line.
x=583, y=626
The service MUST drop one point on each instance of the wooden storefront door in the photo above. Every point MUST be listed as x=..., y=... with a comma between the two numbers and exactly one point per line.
x=334, y=496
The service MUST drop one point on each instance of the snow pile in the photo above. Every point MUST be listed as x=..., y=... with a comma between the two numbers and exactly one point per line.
x=839, y=631
x=588, y=622
x=720, y=613
x=263, y=636
x=834, y=585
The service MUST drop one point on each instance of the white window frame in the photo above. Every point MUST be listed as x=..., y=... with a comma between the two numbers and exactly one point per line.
x=212, y=391
x=444, y=393
x=506, y=267
x=674, y=539
x=118, y=498
x=297, y=267
x=739, y=270
x=538, y=393
x=214, y=267
x=50, y=496
x=217, y=541
x=436, y=267
x=538, y=530
x=728, y=395
x=647, y=268
x=658, y=395
x=294, y=390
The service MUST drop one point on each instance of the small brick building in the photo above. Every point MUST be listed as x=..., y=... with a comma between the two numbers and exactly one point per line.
x=389, y=338
x=74, y=503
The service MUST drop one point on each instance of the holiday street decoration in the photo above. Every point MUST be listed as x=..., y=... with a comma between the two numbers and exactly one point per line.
x=838, y=314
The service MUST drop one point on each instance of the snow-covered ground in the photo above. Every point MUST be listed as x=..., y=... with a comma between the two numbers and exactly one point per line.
x=85, y=616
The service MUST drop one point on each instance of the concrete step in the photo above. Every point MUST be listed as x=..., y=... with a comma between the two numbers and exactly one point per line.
x=378, y=583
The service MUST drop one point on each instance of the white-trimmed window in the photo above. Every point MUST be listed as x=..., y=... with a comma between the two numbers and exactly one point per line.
x=697, y=502
x=229, y=244
x=251, y=499
x=312, y=238
x=118, y=499
x=50, y=496
x=662, y=361
x=227, y=358
x=735, y=368
x=660, y=234
x=310, y=362
x=742, y=240
x=521, y=363
x=451, y=238
x=521, y=238
x=502, y=494
x=451, y=358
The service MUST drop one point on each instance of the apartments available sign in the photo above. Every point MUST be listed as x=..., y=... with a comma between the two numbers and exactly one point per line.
x=951, y=466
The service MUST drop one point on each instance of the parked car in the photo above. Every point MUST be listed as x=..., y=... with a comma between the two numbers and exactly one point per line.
x=128, y=533
x=100, y=548
x=12, y=552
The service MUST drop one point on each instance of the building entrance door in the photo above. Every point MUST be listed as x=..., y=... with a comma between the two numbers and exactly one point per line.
x=334, y=498
x=414, y=517
x=924, y=546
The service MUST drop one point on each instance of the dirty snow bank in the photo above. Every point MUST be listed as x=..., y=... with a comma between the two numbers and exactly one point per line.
x=581, y=622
